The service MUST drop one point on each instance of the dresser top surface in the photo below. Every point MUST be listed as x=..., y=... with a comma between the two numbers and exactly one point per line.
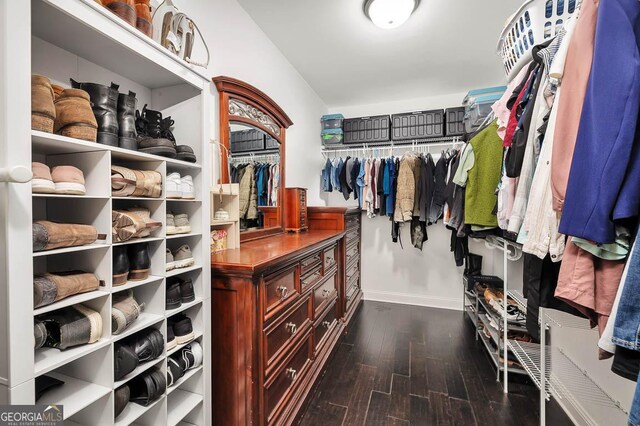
x=266, y=251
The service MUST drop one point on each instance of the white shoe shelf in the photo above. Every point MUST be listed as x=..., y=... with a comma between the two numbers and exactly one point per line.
x=80, y=39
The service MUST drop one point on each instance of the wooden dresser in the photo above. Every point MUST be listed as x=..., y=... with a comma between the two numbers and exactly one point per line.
x=277, y=311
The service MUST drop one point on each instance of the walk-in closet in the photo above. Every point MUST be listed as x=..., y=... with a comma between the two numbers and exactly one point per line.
x=335, y=213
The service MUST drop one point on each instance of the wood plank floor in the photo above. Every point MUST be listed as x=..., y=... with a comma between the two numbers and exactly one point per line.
x=409, y=365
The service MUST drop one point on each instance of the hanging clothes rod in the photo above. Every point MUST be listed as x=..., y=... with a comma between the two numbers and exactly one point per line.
x=418, y=146
x=268, y=158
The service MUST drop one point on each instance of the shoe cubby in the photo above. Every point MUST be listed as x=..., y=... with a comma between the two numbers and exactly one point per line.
x=195, y=314
x=48, y=359
x=94, y=261
x=198, y=287
x=84, y=382
x=98, y=413
x=195, y=174
x=94, y=166
x=144, y=366
x=84, y=41
x=195, y=244
x=180, y=404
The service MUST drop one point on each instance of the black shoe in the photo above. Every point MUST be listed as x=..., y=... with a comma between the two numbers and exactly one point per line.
x=120, y=265
x=191, y=355
x=187, y=291
x=39, y=333
x=122, y=396
x=139, y=261
x=44, y=383
x=173, y=296
x=147, y=387
x=183, y=152
x=104, y=103
x=150, y=137
x=171, y=338
x=182, y=328
x=127, y=136
x=147, y=345
x=175, y=369
x=125, y=361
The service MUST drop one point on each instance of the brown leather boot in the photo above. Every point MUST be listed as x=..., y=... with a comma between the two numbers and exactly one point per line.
x=57, y=91
x=126, y=9
x=143, y=11
x=43, y=113
x=74, y=116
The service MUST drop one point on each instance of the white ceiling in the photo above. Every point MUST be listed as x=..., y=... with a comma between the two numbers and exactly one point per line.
x=447, y=46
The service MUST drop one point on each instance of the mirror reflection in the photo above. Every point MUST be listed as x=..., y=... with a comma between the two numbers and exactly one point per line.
x=255, y=165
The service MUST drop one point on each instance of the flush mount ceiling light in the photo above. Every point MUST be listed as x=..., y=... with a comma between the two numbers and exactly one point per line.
x=389, y=14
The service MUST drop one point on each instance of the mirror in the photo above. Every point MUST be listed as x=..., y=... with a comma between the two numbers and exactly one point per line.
x=252, y=132
x=255, y=164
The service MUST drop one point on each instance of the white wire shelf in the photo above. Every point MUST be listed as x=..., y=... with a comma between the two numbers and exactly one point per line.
x=422, y=145
x=556, y=318
x=519, y=299
x=529, y=356
x=580, y=397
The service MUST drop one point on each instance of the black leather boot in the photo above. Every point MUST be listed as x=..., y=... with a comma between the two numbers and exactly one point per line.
x=104, y=103
x=120, y=265
x=127, y=136
x=148, y=344
x=472, y=269
x=150, y=139
x=183, y=152
x=139, y=262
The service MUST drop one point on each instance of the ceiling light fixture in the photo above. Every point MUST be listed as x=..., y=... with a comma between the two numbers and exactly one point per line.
x=389, y=14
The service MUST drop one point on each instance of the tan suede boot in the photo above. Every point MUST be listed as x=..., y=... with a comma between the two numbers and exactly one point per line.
x=74, y=116
x=125, y=9
x=43, y=113
x=143, y=11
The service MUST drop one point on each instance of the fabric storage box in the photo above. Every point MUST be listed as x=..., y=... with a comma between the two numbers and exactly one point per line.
x=478, y=110
x=418, y=125
x=332, y=136
x=472, y=95
x=270, y=143
x=332, y=121
x=454, y=119
x=367, y=129
x=247, y=140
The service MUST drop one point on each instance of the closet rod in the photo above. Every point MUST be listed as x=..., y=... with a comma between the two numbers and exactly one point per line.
x=422, y=145
x=253, y=157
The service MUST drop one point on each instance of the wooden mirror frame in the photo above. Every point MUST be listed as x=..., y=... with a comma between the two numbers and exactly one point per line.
x=241, y=102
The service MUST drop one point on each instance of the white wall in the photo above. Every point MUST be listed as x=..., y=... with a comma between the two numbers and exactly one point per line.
x=241, y=50
x=407, y=275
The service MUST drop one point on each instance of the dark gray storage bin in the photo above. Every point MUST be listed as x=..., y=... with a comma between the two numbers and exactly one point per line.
x=271, y=143
x=418, y=125
x=366, y=129
x=247, y=140
x=454, y=118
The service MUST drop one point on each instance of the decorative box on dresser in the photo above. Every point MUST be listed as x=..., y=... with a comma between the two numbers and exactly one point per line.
x=276, y=316
x=349, y=221
x=295, y=215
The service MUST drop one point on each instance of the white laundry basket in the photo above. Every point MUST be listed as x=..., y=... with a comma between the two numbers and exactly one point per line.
x=532, y=24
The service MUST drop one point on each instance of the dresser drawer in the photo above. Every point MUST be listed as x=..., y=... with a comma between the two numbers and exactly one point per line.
x=309, y=263
x=352, y=221
x=353, y=236
x=352, y=293
x=353, y=252
x=324, y=294
x=279, y=390
x=285, y=330
x=330, y=256
x=280, y=289
x=323, y=328
x=352, y=271
x=311, y=279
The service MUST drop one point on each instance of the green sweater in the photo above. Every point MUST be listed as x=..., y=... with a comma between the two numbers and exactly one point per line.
x=484, y=176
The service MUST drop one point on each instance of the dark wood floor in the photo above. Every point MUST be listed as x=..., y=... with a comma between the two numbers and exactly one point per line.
x=409, y=365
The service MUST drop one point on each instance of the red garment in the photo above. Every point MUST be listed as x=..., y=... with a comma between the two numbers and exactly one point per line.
x=512, y=124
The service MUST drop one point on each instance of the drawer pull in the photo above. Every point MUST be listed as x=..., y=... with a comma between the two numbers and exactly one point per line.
x=326, y=324
x=292, y=328
x=349, y=298
x=293, y=374
x=326, y=292
x=283, y=291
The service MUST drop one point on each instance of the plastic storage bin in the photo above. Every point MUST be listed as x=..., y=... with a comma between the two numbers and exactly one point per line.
x=367, y=129
x=418, y=125
x=454, y=119
x=474, y=94
x=271, y=143
x=332, y=121
x=332, y=136
x=247, y=140
x=533, y=23
x=477, y=112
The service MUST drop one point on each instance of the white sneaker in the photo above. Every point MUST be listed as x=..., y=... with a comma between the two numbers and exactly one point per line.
x=186, y=186
x=174, y=186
